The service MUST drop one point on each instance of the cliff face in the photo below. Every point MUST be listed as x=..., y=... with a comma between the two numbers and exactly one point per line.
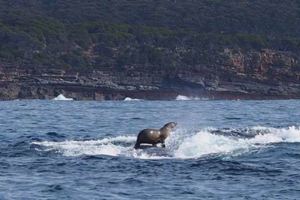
x=234, y=75
x=149, y=49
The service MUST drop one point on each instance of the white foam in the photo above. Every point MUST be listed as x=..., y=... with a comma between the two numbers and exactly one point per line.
x=131, y=99
x=186, y=98
x=182, y=98
x=179, y=146
x=90, y=147
x=61, y=97
x=205, y=143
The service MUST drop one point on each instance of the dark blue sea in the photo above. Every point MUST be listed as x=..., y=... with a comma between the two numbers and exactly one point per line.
x=84, y=150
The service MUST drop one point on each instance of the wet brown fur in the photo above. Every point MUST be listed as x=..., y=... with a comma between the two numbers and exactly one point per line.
x=154, y=136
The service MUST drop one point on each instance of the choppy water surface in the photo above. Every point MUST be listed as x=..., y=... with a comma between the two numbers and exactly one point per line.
x=84, y=150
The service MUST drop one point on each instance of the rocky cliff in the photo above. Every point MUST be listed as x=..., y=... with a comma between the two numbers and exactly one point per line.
x=104, y=50
x=234, y=75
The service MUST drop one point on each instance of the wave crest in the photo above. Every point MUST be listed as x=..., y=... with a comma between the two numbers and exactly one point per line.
x=180, y=145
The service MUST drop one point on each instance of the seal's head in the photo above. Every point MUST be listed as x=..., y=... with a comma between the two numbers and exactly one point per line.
x=166, y=129
x=170, y=125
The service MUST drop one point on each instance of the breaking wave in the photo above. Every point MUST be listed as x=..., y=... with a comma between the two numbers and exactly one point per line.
x=107, y=146
x=131, y=99
x=61, y=97
x=181, y=144
x=186, y=98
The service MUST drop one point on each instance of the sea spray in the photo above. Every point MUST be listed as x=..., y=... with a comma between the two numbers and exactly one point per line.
x=205, y=143
x=104, y=146
x=180, y=145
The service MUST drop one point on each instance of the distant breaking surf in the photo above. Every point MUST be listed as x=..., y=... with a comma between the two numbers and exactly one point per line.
x=61, y=97
x=186, y=98
x=131, y=99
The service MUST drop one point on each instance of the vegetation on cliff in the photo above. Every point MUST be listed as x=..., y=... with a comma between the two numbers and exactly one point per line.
x=146, y=33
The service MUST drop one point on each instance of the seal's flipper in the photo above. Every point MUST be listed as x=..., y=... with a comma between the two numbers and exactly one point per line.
x=137, y=146
x=146, y=147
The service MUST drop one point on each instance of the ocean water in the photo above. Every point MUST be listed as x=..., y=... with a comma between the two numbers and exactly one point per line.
x=84, y=150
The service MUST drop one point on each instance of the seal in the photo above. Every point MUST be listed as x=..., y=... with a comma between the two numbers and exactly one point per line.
x=154, y=136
